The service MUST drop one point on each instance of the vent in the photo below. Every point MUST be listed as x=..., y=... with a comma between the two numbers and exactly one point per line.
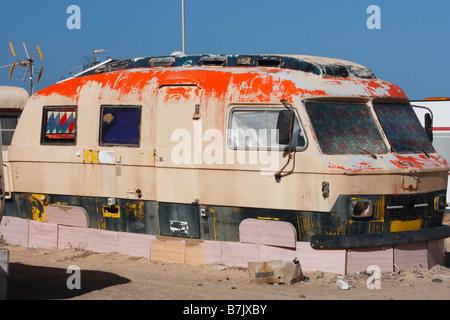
x=326, y=67
x=162, y=62
x=213, y=61
x=273, y=62
x=408, y=207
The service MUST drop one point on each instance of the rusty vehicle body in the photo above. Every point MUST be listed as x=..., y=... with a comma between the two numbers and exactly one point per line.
x=12, y=102
x=190, y=146
x=439, y=107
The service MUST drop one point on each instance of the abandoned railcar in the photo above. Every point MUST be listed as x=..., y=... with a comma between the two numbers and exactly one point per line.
x=191, y=146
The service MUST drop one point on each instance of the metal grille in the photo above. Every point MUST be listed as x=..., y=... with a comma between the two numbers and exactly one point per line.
x=408, y=207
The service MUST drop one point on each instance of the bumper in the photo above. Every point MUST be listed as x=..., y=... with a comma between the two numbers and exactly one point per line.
x=379, y=239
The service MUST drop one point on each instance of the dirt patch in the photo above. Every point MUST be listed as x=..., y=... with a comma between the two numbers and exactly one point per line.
x=43, y=274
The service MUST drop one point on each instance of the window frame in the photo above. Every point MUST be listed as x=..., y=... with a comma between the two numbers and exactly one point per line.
x=370, y=112
x=261, y=108
x=100, y=143
x=8, y=114
x=56, y=142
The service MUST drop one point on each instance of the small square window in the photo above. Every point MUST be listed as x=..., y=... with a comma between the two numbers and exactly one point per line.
x=8, y=123
x=120, y=125
x=59, y=125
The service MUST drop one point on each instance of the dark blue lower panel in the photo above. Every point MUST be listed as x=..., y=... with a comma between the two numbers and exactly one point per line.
x=208, y=222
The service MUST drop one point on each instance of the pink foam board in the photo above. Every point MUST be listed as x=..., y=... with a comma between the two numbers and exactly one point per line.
x=358, y=260
x=333, y=261
x=133, y=244
x=102, y=240
x=42, y=235
x=238, y=254
x=67, y=215
x=411, y=255
x=268, y=253
x=436, y=252
x=268, y=232
x=203, y=252
x=72, y=238
x=14, y=231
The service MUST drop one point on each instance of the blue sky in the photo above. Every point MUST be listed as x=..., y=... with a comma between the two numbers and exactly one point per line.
x=412, y=48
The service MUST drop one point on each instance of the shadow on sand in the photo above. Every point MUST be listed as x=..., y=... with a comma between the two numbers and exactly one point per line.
x=27, y=282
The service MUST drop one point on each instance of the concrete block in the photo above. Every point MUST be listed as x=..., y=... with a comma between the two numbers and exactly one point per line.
x=4, y=271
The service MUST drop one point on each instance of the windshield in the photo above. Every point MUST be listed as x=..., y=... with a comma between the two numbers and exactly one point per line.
x=402, y=128
x=345, y=128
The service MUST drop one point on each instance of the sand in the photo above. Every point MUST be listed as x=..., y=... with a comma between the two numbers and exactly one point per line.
x=42, y=274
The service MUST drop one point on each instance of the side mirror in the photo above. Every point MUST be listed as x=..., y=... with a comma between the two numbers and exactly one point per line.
x=283, y=126
x=429, y=126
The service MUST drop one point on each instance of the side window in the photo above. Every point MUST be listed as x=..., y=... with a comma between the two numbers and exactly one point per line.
x=120, y=125
x=257, y=129
x=8, y=123
x=59, y=125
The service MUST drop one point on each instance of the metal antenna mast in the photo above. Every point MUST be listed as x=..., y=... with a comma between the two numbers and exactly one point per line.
x=26, y=58
x=182, y=23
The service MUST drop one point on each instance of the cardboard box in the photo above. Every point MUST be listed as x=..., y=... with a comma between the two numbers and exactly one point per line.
x=275, y=271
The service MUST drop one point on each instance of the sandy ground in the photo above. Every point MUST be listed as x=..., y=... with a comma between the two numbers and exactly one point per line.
x=41, y=274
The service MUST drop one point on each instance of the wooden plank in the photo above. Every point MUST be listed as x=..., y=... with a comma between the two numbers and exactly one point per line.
x=203, y=252
x=268, y=232
x=168, y=250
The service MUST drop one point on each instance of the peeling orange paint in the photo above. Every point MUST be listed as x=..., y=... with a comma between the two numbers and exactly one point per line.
x=418, y=161
x=245, y=85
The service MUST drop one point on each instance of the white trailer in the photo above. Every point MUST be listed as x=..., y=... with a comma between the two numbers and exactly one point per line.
x=440, y=109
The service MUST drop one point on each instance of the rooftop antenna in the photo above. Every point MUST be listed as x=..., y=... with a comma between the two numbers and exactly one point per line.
x=182, y=26
x=96, y=52
x=25, y=58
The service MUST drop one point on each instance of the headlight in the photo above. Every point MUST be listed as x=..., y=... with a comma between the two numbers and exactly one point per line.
x=440, y=203
x=361, y=208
